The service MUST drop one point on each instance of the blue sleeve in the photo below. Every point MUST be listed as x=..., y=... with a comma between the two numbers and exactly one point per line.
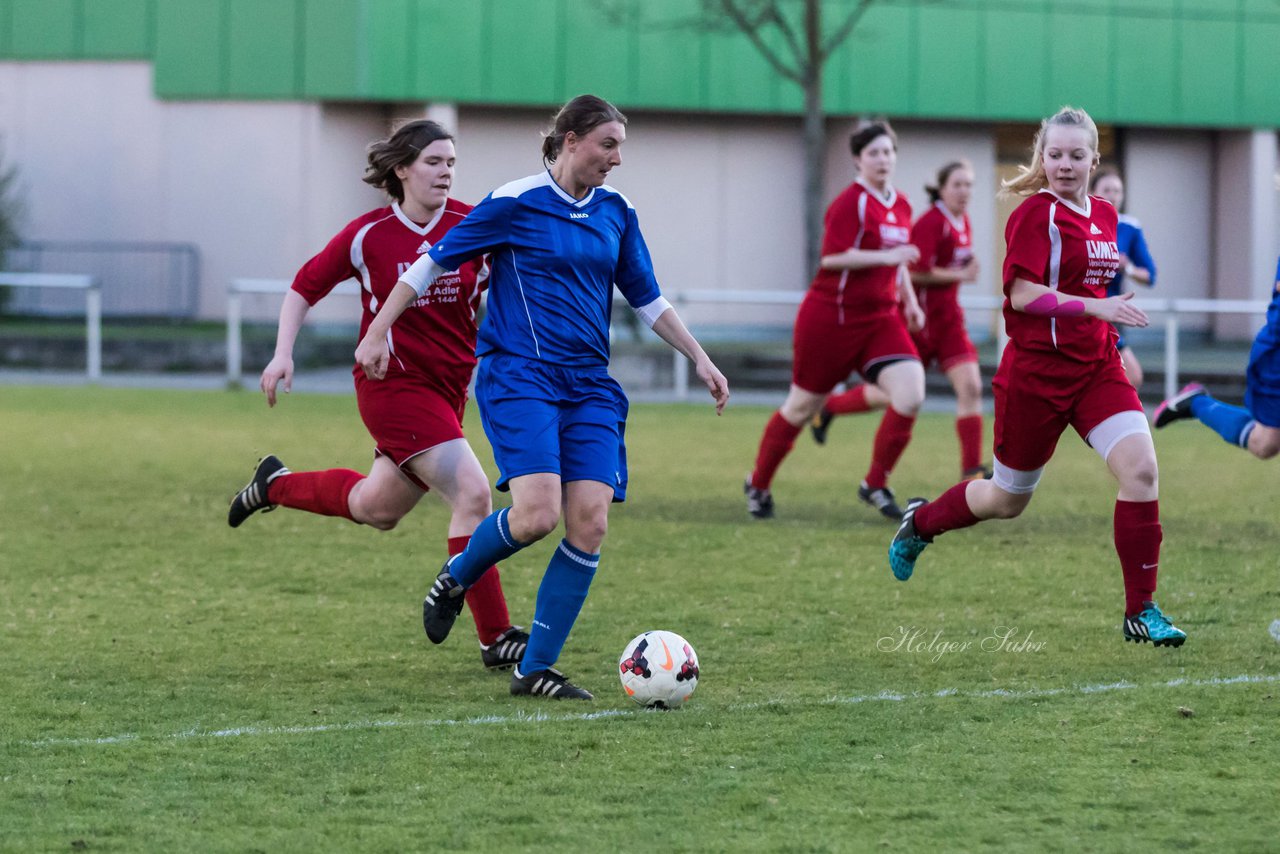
x=1140, y=255
x=634, y=274
x=482, y=231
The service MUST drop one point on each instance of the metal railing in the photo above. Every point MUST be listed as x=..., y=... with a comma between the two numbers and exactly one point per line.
x=1172, y=310
x=92, y=308
x=235, y=313
x=138, y=278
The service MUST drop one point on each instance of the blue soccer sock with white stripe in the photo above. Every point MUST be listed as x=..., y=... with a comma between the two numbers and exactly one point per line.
x=1232, y=423
x=560, y=597
x=490, y=543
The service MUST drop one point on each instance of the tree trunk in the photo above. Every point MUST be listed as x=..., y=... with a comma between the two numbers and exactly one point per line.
x=815, y=137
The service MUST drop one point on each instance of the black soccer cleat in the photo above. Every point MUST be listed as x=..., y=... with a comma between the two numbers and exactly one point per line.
x=442, y=605
x=253, y=497
x=506, y=651
x=547, y=683
x=882, y=500
x=759, y=501
x=820, y=424
x=1178, y=407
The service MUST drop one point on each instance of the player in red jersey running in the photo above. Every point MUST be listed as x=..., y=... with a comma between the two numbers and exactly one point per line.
x=850, y=321
x=415, y=413
x=943, y=236
x=1062, y=369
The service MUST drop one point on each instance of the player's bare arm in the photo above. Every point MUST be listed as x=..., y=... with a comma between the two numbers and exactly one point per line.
x=857, y=259
x=293, y=311
x=373, y=354
x=670, y=328
x=1036, y=299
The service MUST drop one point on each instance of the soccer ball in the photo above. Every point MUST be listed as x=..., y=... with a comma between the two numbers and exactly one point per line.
x=659, y=669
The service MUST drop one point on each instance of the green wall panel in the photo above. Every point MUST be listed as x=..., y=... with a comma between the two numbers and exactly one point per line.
x=524, y=51
x=738, y=77
x=191, y=48
x=600, y=55
x=262, y=50
x=389, y=60
x=872, y=64
x=1180, y=62
x=1146, y=87
x=332, y=32
x=1079, y=42
x=45, y=29
x=447, y=52
x=947, y=79
x=670, y=64
x=1261, y=70
x=118, y=29
x=1210, y=87
x=1016, y=73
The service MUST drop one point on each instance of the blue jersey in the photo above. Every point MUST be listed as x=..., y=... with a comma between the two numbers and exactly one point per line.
x=555, y=260
x=1133, y=244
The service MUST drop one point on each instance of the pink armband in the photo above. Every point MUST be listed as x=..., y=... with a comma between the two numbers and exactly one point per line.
x=1047, y=305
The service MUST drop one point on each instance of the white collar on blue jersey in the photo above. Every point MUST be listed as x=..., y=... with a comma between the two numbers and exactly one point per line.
x=560, y=191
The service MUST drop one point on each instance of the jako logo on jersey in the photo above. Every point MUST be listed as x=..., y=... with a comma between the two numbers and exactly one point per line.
x=426, y=244
x=1093, y=229
x=1107, y=251
x=579, y=215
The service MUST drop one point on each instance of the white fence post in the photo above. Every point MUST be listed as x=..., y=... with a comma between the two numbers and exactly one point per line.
x=92, y=309
x=235, y=315
x=93, y=331
x=1170, y=354
x=235, y=359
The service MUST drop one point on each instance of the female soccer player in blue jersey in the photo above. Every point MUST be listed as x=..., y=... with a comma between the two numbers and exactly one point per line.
x=559, y=242
x=1255, y=426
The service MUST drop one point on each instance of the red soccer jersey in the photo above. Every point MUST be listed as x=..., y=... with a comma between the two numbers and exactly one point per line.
x=435, y=338
x=945, y=243
x=1052, y=242
x=861, y=219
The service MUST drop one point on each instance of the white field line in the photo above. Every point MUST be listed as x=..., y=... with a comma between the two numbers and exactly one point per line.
x=520, y=717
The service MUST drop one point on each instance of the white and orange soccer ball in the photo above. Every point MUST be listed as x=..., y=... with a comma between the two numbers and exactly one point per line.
x=659, y=669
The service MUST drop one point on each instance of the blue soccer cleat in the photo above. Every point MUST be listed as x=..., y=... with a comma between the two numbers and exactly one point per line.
x=907, y=544
x=1152, y=625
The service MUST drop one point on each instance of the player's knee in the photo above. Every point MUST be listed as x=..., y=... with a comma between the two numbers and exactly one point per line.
x=1267, y=450
x=589, y=532
x=530, y=524
x=381, y=520
x=474, y=500
x=1144, y=476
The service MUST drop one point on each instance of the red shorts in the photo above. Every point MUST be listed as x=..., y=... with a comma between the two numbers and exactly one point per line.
x=1037, y=396
x=827, y=352
x=406, y=417
x=945, y=340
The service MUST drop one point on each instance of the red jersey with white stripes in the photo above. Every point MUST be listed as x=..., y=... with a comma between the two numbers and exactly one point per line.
x=860, y=218
x=435, y=338
x=1054, y=243
x=945, y=243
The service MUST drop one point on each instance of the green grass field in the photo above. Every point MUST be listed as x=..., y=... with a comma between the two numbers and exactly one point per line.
x=170, y=684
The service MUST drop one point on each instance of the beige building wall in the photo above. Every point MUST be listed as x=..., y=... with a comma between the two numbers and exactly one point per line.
x=260, y=186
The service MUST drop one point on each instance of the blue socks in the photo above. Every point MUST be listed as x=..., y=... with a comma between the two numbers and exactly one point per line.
x=491, y=543
x=1232, y=423
x=560, y=597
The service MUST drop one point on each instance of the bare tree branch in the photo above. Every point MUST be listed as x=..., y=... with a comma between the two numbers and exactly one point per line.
x=752, y=32
x=842, y=32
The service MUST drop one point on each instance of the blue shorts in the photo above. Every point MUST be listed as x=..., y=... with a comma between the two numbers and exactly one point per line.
x=1262, y=379
x=543, y=418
